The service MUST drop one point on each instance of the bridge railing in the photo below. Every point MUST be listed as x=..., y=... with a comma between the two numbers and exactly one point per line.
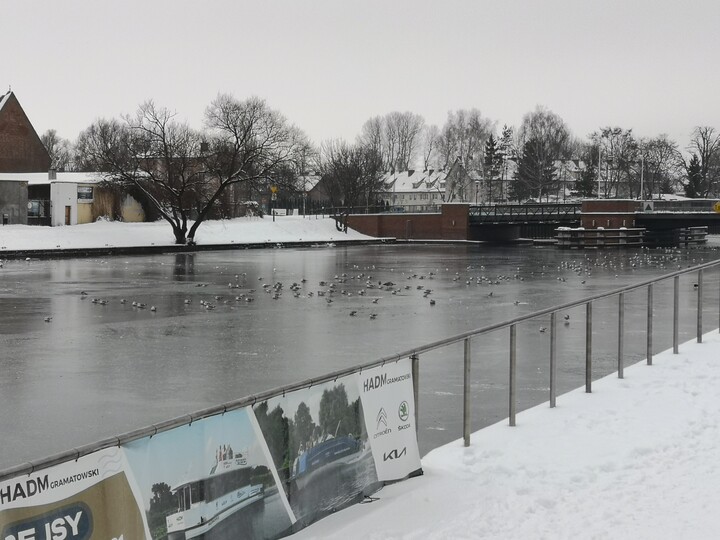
x=524, y=211
x=689, y=206
x=466, y=338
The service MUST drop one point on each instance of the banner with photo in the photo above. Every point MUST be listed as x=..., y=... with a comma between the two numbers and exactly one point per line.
x=78, y=500
x=259, y=472
x=388, y=406
x=318, y=443
x=211, y=479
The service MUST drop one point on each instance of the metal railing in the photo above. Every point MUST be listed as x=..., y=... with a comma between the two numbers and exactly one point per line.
x=686, y=207
x=466, y=339
x=525, y=212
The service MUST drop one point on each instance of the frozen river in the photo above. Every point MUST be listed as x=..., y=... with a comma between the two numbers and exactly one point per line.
x=100, y=368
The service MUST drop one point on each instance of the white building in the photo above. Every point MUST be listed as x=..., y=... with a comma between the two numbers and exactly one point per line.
x=72, y=198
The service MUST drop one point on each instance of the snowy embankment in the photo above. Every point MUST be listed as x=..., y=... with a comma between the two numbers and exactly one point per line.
x=635, y=459
x=103, y=234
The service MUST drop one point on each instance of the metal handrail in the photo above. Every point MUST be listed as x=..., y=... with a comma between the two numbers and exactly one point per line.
x=414, y=355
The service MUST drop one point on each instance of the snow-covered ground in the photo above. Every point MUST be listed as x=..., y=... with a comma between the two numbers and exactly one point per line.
x=638, y=458
x=117, y=234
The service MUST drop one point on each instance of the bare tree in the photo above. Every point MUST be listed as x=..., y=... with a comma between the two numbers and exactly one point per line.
x=660, y=166
x=705, y=145
x=183, y=172
x=543, y=138
x=59, y=149
x=351, y=175
x=430, y=137
x=464, y=136
x=395, y=136
x=250, y=144
x=619, y=159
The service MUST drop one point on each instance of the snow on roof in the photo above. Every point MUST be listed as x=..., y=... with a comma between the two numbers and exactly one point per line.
x=41, y=178
x=4, y=99
x=414, y=180
x=308, y=181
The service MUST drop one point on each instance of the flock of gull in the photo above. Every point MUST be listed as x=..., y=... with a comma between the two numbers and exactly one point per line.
x=360, y=282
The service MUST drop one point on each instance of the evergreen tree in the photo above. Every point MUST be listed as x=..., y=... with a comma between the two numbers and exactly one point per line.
x=587, y=183
x=535, y=175
x=505, y=153
x=493, y=165
x=694, y=184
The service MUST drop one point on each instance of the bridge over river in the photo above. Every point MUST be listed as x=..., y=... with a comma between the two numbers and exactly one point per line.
x=509, y=222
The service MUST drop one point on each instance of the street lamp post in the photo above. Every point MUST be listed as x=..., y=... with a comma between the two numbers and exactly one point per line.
x=642, y=177
x=477, y=189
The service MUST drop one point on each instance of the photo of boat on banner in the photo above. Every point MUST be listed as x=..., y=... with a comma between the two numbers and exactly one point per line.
x=318, y=441
x=209, y=480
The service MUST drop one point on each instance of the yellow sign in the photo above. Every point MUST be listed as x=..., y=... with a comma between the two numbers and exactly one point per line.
x=273, y=189
x=717, y=207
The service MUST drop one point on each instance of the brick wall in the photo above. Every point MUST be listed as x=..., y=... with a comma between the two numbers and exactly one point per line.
x=20, y=147
x=608, y=213
x=450, y=224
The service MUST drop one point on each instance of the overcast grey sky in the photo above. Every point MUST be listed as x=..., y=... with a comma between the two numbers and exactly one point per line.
x=329, y=65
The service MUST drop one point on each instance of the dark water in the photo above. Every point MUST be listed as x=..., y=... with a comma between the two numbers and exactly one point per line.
x=99, y=370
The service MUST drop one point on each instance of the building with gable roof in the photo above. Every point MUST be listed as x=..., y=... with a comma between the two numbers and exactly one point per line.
x=424, y=191
x=21, y=149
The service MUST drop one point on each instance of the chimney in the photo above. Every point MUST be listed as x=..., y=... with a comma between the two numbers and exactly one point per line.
x=52, y=174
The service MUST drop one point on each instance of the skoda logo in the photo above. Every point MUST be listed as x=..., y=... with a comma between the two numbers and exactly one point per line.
x=404, y=411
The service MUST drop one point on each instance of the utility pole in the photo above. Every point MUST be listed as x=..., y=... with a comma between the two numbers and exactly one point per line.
x=599, y=164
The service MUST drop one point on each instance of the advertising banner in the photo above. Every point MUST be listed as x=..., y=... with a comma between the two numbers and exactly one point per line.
x=211, y=479
x=387, y=402
x=259, y=472
x=318, y=443
x=77, y=500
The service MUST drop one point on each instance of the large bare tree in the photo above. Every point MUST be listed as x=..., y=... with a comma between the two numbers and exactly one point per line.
x=351, y=176
x=395, y=136
x=660, y=168
x=183, y=172
x=464, y=136
x=705, y=146
x=619, y=159
x=59, y=149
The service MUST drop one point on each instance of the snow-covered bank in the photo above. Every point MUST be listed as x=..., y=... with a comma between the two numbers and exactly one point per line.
x=636, y=459
x=104, y=234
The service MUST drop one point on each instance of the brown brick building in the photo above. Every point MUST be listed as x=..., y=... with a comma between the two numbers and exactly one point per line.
x=20, y=147
x=21, y=151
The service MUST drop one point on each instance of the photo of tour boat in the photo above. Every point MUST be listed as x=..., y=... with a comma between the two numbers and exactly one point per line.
x=207, y=502
x=210, y=480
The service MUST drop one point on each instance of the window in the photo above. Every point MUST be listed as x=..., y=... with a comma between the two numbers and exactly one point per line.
x=85, y=193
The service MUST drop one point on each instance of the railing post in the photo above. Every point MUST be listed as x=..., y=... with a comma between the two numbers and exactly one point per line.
x=699, y=306
x=621, y=335
x=466, y=395
x=553, y=362
x=676, y=314
x=649, y=349
x=588, y=347
x=511, y=382
x=415, y=360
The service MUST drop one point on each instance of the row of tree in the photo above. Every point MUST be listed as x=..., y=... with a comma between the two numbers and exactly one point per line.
x=186, y=175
